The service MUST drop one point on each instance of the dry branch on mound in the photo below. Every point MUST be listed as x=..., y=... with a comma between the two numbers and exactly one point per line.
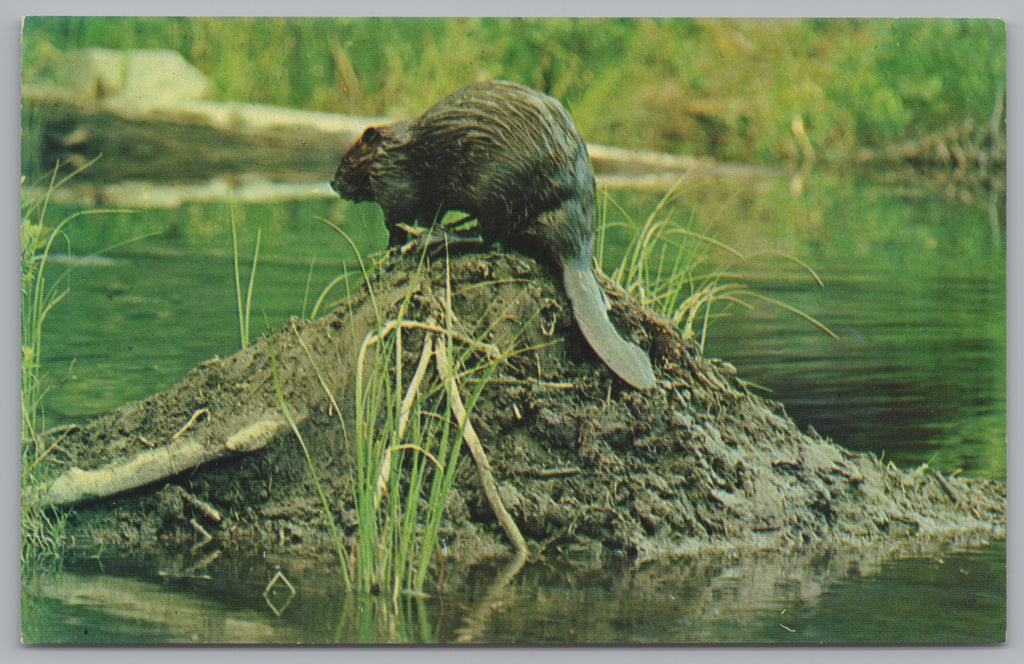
x=150, y=466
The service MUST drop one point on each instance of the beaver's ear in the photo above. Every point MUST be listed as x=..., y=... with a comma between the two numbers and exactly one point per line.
x=370, y=136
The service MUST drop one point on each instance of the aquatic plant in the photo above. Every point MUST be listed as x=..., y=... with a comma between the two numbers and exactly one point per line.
x=243, y=307
x=38, y=298
x=405, y=445
x=670, y=268
x=41, y=533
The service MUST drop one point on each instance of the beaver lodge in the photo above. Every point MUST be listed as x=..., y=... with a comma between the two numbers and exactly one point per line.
x=579, y=462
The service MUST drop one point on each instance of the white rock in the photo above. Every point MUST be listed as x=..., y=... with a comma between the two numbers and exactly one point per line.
x=135, y=78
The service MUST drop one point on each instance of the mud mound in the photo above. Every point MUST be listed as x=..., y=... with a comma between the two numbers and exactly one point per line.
x=699, y=464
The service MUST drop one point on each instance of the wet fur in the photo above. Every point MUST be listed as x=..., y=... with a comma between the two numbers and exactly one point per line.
x=510, y=157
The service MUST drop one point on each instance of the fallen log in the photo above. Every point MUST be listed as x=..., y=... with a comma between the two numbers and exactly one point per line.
x=193, y=142
x=149, y=466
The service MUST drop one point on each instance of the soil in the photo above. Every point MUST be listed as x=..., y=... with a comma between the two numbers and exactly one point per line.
x=585, y=464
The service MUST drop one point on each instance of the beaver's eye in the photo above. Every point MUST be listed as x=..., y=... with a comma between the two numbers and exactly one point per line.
x=370, y=135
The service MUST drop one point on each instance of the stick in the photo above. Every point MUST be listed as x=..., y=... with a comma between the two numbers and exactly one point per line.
x=477, y=450
x=191, y=421
x=945, y=486
x=148, y=466
x=488, y=349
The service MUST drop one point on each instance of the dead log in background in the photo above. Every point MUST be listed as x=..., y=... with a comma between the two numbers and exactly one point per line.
x=189, y=142
x=195, y=141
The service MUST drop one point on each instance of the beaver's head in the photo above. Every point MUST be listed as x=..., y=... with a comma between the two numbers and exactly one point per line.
x=352, y=177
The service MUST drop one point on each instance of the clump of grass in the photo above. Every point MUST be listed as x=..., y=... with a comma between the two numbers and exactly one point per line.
x=243, y=306
x=40, y=293
x=668, y=268
x=406, y=447
x=398, y=426
x=38, y=298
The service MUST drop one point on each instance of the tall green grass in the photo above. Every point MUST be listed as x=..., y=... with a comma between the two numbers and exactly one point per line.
x=243, y=301
x=405, y=443
x=406, y=446
x=40, y=293
x=398, y=427
x=670, y=269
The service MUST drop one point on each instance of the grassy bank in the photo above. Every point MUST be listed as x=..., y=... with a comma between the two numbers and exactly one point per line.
x=681, y=85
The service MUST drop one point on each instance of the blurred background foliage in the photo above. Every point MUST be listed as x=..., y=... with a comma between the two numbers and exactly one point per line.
x=728, y=88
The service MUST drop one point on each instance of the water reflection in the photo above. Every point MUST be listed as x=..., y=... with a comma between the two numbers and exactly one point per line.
x=851, y=596
x=916, y=288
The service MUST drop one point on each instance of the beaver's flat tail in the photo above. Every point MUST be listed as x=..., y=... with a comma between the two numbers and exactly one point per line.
x=626, y=359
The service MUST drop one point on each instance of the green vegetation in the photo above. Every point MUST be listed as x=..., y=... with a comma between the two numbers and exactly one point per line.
x=662, y=263
x=36, y=302
x=243, y=307
x=669, y=268
x=399, y=427
x=38, y=298
x=406, y=444
x=41, y=533
x=680, y=85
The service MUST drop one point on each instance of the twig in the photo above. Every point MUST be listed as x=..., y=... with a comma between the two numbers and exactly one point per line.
x=555, y=472
x=488, y=349
x=191, y=421
x=477, y=450
x=945, y=486
x=206, y=508
x=532, y=381
x=65, y=431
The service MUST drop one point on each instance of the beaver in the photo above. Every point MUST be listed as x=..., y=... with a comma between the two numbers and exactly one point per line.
x=510, y=157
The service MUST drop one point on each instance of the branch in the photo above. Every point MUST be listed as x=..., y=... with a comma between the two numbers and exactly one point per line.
x=149, y=466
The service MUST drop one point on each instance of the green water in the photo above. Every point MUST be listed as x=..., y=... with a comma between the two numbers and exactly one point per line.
x=914, y=288
x=958, y=597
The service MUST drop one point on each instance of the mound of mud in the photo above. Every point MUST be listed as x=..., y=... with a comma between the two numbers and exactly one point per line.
x=584, y=463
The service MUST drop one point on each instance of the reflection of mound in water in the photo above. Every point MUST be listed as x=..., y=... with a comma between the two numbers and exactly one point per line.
x=807, y=595
x=694, y=466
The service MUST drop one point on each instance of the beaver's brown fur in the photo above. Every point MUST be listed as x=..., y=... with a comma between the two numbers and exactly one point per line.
x=510, y=157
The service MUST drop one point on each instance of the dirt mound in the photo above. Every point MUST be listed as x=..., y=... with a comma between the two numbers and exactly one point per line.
x=699, y=464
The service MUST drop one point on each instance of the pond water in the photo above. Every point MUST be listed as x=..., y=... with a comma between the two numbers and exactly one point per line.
x=956, y=598
x=914, y=287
